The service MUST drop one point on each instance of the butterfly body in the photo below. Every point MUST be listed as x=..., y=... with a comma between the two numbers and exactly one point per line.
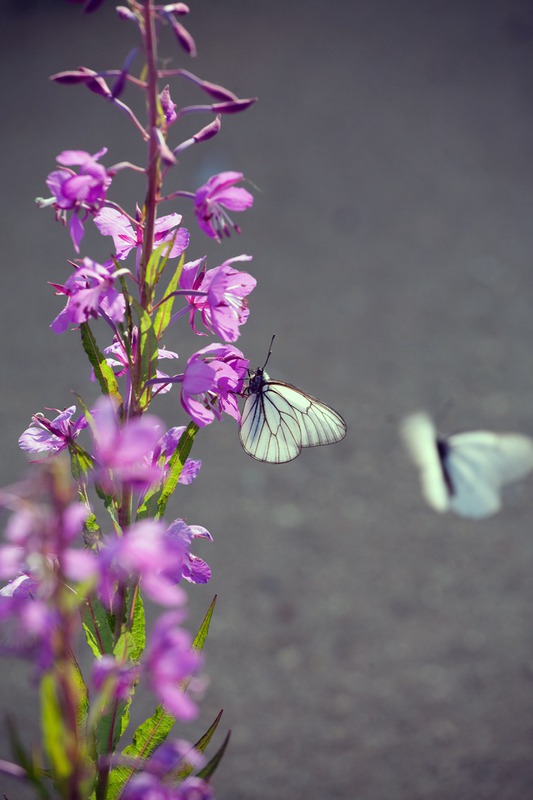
x=279, y=419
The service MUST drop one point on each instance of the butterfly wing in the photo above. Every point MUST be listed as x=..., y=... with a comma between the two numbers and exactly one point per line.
x=420, y=438
x=480, y=463
x=278, y=420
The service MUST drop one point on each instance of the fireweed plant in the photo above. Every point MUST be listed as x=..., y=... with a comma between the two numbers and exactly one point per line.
x=87, y=537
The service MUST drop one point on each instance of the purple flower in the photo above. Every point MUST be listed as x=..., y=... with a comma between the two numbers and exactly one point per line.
x=168, y=12
x=91, y=293
x=35, y=535
x=22, y=586
x=109, y=672
x=159, y=557
x=166, y=449
x=170, y=661
x=145, y=786
x=27, y=628
x=218, y=194
x=147, y=552
x=223, y=307
x=83, y=192
x=111, y=222
x=123, y=453
x=52, y=436
x=117, y=358
x=192, y=568
x=171, y=755
x=169, y=108
x=213, y=378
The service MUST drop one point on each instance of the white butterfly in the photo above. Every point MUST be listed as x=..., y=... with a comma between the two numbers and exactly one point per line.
x=278, y=420
x=466, y=471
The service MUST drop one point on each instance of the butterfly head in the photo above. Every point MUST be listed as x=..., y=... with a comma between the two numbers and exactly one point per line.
x=256, y=379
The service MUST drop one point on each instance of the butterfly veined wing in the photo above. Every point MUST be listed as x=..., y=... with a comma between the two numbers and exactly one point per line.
x=465, y=472
x=278, y=420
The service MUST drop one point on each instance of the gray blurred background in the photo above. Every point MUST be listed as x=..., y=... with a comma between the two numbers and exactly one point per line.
x=362, y=647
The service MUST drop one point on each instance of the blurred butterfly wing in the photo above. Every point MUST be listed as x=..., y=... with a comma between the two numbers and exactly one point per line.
x=480, y=463
x=420, y=438
x=279, y=419
x=508, y=456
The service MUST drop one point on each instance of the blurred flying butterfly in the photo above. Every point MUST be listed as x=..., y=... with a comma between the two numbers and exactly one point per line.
x=278, y=419
x=466, y=471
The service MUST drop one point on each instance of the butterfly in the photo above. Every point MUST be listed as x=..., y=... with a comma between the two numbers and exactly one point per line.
x=465, y=472
x=278, y=419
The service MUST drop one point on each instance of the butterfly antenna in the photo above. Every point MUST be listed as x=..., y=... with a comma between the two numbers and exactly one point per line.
x=269, y=351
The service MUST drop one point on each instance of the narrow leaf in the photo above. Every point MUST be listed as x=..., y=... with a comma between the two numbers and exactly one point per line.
x=175, y=466
x=164, y=312
x=204, y=740
x=96, y=624
x=182, y=772
x=111, y=725
x=203, y=630
x=55, y=735
x=146, y=739
x=81, y=463
x=148, y=354
x=138, y=627
x=103, y=372
x=82, y=696
x=158, y=261
x=212, y=765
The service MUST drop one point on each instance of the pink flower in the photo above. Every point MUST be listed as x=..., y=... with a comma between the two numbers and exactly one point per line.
x=223, y=307
x=192, y=568
x=167, y=447
x=91, y=292
x=147, y=552
x=118, y=359
x=52, y=436
x=169, y=108
x=123, y=453
x=218, y=194
x=111, y=222
x=171, y=660
x=213, y=378
x=83, y=192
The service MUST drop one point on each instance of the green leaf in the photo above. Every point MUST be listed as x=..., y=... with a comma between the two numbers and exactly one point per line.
x=175, y=467
x=204, y=740
x=158, y=261
x=164, y=311
x=155, y=730
x=81, y=463
x=203, y=630
x=212, y=765
x=103, y=372
x=82, y=696
x=148, y=354
x=55, y=734
x=111, y=725
x=138, y=628
x=146, y=739
x=186, y=769
x=97, y=627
